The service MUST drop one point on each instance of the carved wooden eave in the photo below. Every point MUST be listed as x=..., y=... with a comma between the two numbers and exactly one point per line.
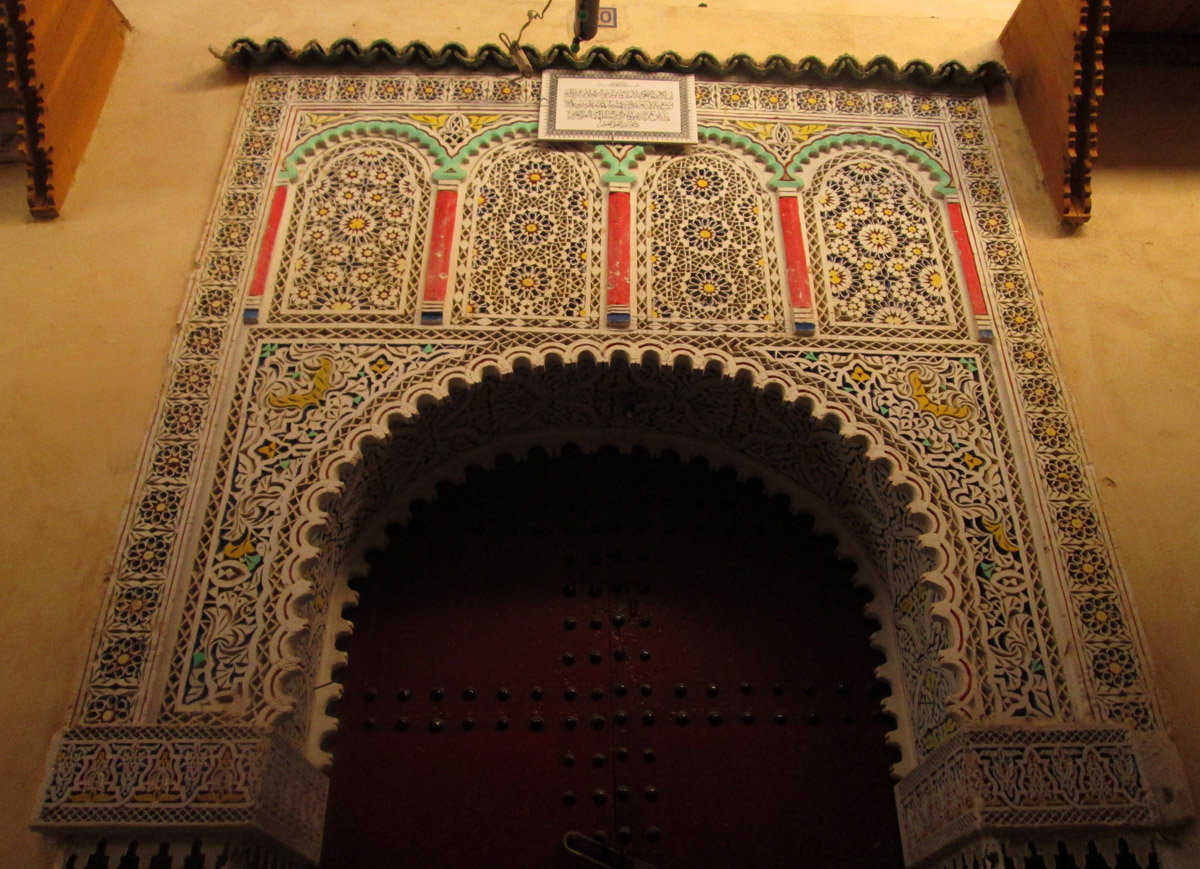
x=1055, y=50
x=61, y=60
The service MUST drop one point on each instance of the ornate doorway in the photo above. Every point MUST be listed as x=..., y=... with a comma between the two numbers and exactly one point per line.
x=333, y=364
x=650, y=660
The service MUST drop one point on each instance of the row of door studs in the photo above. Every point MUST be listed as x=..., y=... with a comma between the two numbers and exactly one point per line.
x=537, y=723
x=625, y=835
x=437, y=695
x=596, y=623
x=623, y=794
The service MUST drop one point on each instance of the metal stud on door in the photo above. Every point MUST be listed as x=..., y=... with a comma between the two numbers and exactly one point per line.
x=766, y=717
x=612, y=661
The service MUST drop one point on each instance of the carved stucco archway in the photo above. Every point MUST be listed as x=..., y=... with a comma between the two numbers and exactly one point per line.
x=271, y=572
x=359, y=461
x=594, y=400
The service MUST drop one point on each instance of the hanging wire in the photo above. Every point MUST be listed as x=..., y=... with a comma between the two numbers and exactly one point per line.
x=513, y=46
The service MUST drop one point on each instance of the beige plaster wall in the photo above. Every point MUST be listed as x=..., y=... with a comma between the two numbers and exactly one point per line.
x=89, y=305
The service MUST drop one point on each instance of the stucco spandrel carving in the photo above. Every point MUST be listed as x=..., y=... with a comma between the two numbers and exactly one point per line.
x=299, y=394
x=945, y=410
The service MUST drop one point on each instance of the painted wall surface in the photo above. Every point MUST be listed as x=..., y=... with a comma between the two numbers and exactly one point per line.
x=91, y=300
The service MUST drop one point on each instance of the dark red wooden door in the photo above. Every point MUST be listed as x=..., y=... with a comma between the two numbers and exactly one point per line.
x=646, y=654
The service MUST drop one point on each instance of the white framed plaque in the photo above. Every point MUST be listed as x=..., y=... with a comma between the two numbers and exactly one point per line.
x=617, y=107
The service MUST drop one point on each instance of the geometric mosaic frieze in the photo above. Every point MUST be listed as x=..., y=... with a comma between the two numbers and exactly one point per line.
x=830, y=287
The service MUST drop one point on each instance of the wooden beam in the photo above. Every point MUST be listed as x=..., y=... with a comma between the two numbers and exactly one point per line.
x=61, y=55
x=1054, y=50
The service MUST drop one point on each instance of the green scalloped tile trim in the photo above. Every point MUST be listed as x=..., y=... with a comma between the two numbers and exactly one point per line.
x=620, y=169
x=454, y=171
x=779, y=175
x=246, y=52
x=450, y=167
x=943, y=187
x=309, y=147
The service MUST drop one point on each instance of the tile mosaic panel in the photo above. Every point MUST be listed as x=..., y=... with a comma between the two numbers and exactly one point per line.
x=357, y=233
x=885, y=252
x=707, y=245
x=532, y=239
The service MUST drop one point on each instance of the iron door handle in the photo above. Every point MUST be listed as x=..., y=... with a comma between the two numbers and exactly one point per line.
x=600, y=854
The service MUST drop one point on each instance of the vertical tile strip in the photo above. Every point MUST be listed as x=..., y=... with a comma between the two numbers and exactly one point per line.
x=263, y=266
x=966, y=256
x=797, y=267
x=437, y=275
x=618, y=259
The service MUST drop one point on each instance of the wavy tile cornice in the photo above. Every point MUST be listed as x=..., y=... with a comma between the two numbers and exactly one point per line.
x=245, y=52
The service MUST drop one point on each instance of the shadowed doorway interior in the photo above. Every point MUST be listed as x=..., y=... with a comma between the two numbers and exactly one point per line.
x=627, y=656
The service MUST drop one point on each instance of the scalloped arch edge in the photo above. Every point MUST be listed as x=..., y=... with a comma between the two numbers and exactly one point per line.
x=373, y=535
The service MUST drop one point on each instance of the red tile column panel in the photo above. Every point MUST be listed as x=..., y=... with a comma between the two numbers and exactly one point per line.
x=966, y=255
x=262, y=267
x=437, y=272
x=797, y=266
x=617, y=301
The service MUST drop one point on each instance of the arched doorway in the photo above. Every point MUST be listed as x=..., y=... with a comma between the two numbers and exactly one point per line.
x=645, y=653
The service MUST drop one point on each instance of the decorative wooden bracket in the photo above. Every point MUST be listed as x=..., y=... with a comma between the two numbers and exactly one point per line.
x=61, y=59
x=1054, y=50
